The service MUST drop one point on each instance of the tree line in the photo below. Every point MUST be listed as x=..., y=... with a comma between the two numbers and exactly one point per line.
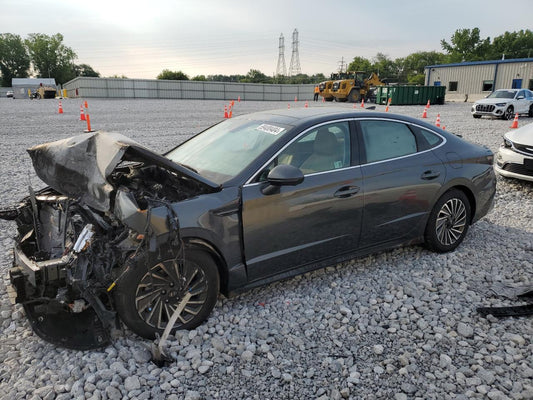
x=47, y=56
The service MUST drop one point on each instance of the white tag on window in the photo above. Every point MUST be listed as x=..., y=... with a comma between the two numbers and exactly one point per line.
x=273, y=130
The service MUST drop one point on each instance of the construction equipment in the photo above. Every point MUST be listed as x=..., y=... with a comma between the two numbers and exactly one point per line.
x=326, y=87
x=356, y=87
x=44, y=92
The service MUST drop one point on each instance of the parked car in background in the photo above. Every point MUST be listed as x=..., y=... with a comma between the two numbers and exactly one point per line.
x=124, y=232
x=9, y=94
x=515, y=157
x=504, y=103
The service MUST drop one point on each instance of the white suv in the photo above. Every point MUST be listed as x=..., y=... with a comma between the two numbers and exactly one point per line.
x=504, y=103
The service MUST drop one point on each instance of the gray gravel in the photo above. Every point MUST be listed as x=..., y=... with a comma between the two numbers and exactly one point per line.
x=395, y=325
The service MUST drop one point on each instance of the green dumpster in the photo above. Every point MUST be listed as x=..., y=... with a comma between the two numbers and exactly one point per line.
x=409, y=94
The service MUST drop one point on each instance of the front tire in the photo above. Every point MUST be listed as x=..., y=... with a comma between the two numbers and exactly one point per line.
x=530, y=113
x=448, y=222
x=509, y=113
x=153, y=285
x=354, y=96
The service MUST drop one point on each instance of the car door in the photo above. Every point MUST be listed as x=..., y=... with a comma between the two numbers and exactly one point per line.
x=522, y=102
x=314, y=220
x=401, y=178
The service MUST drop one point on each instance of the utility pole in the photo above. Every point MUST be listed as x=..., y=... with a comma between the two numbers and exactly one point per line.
x=342, y=65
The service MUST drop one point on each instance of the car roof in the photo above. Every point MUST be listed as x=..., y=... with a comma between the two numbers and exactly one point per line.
x=307, y=116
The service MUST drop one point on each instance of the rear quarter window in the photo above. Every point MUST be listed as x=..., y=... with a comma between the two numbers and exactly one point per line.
x=427, y=139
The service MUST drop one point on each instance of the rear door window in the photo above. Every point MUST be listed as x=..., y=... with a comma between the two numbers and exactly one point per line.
x=384, y=140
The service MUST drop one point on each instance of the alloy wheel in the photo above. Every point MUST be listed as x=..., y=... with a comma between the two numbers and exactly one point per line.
x=161, y=289
x=451, y=221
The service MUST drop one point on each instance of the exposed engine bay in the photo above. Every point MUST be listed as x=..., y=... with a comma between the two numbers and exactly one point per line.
x=108, y=199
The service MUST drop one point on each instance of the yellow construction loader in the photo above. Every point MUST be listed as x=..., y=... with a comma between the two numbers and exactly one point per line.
x=44, y=92
x=356, y=87
x=326, y=87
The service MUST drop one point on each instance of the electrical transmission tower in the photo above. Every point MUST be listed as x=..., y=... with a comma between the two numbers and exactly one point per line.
x=342, y=65
x=281, y=70
x=295, y=58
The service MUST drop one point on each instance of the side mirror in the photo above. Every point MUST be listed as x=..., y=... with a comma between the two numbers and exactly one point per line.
x=285, y=175
x=282, y=175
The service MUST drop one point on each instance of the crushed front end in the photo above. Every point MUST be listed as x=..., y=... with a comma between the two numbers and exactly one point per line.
x=76, y=236
x=64, y=257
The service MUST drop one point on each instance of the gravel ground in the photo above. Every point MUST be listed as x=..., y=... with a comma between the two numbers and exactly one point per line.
x=395, y=325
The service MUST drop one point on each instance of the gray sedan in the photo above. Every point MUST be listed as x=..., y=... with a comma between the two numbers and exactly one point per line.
x=125, y=234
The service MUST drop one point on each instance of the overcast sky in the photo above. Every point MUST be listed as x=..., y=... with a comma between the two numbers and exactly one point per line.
x=141, y=38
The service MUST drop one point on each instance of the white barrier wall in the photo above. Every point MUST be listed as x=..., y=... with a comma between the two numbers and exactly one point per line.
x=160, y=89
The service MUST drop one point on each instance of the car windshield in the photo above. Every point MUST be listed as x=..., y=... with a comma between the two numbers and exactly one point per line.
x=502, y=94
x=226, y=149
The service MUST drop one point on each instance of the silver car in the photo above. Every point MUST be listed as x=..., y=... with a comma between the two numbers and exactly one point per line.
x=504, y=103
x=515, y=157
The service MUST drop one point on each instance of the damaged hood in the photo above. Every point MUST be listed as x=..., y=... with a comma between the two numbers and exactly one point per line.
x=79, y=166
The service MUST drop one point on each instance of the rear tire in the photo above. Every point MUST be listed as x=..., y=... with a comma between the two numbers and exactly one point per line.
x=448, y=222
x=530, y=113
x=153, y=284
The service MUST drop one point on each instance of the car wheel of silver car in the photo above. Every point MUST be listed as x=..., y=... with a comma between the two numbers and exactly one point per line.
x=509, y=113
x=155, y=284
x=448, y=222
x=530, y=113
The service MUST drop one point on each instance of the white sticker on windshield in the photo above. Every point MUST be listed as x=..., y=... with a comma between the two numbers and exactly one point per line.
x=273, y=130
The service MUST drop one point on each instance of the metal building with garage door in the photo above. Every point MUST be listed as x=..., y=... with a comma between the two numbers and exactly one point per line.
x=471, y=81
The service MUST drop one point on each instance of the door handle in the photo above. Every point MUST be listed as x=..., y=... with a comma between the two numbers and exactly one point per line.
x=346, y=191
x=429, y=175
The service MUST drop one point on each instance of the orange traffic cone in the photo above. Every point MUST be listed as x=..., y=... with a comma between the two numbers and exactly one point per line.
x=288, y=105
x=388, y=105
x=443, y=128
x=85, y=104
x=362, y=102
x=427, y=105
x=88, y=119
x=60, y=111
x=295, y=99
x=306, y=105
x=425, y=113
x=323, y=99
x=226, y=111
x=437, y=122
x=232, y=103
x=230, y=112
x=239, y=99
x=354, y=105
x=515, y=122
x=82, y=114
